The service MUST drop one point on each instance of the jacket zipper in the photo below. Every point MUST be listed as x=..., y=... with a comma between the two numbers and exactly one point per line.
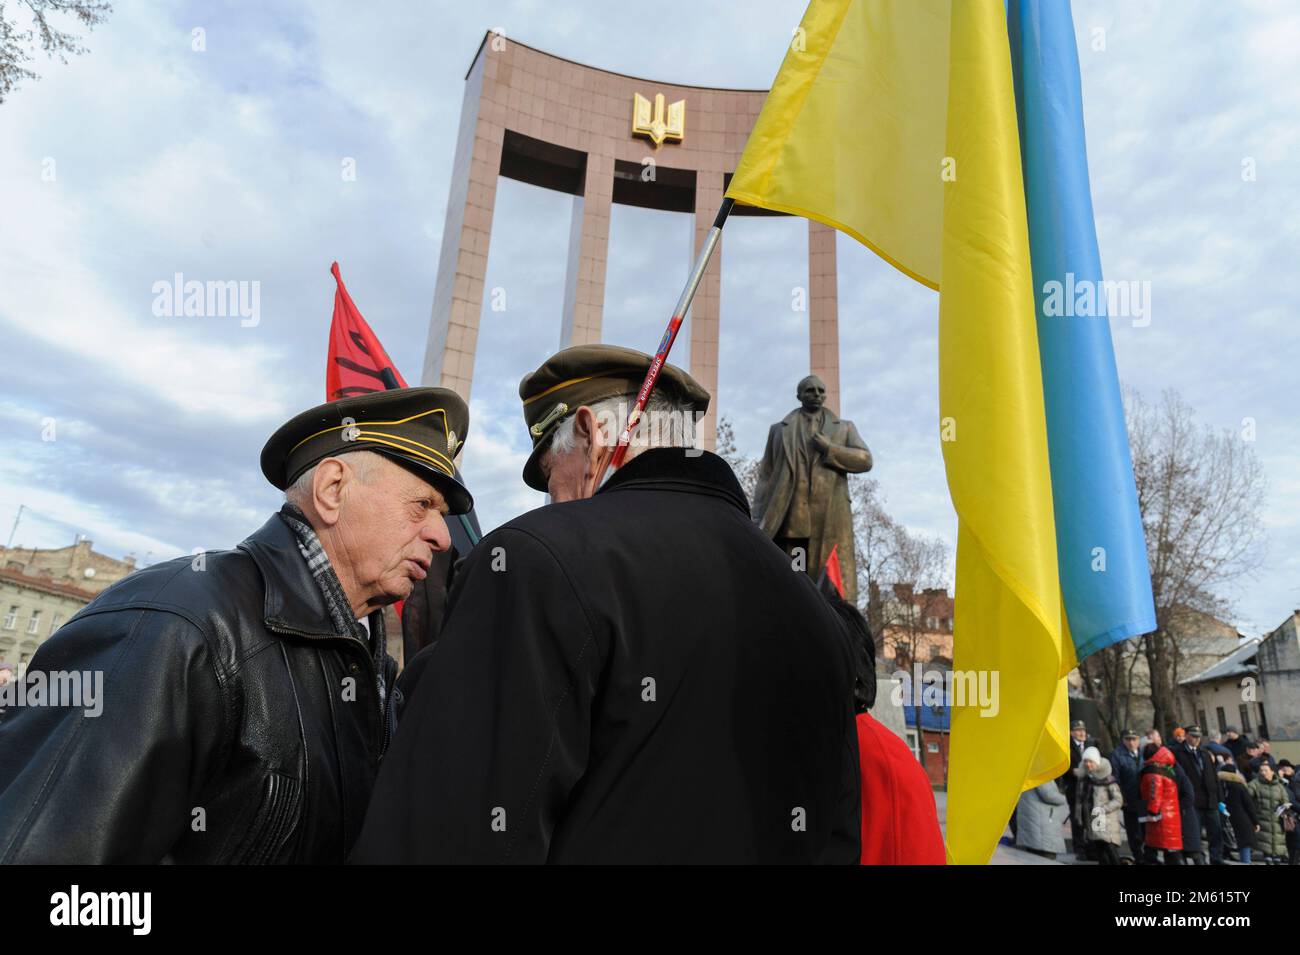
x=354, y=642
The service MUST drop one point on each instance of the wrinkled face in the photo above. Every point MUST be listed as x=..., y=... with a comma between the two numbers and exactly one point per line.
x=1132, y=745
x=1079, y=734
x=1194, y=740
x=6, y=675
x=390, y=527
x=812, y=393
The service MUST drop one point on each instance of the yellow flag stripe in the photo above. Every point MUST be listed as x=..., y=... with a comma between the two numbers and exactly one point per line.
x=1008, y=605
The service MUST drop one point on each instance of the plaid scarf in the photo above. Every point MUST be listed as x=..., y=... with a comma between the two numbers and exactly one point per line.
x=336, y=601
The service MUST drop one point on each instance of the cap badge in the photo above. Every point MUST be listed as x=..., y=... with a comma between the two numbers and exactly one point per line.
x=551, y=417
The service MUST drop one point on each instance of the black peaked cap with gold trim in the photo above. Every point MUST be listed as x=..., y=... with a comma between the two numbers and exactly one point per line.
x=583, y=375
x=421, y=429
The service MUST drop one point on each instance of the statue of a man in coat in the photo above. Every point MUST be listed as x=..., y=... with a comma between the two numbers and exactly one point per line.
x=802, y=498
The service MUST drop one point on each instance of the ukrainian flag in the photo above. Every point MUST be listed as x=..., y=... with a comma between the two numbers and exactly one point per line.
x=947, y=135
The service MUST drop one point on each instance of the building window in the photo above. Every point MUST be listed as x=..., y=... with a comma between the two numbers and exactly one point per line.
x=1223, y=719
x=1263, y=721
x=1202, y=722
x=34, y=622
x=1244, y=710
x=932, y=747
x=55, y=621
x=911, y=742
x=11, y=618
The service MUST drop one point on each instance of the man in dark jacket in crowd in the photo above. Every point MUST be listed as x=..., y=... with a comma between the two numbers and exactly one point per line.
x=1187, y=817
x=246, y=694
x=633, y=673
x=1236, y=745
x=1079, y=741
x=1266, y=754
x=1126, y=762
x=1199, y=766
x=1248, y=765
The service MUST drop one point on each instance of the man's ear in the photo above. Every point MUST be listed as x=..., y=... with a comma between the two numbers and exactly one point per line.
x=327, y=487
x=587, y=428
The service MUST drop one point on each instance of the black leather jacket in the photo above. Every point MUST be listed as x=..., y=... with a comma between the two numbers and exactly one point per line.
x=237, y=724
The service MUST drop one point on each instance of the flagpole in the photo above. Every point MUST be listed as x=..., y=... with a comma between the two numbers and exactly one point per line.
x=670, y=336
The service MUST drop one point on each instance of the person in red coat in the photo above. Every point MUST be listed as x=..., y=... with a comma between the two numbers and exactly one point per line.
x=1159, y=791
x=900, y=825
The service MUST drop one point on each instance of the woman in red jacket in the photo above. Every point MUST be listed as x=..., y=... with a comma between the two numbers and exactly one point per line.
x=900, y=823
x=1159, y=791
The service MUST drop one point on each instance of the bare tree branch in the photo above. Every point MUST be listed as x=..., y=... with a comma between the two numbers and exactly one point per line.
x=17, y=42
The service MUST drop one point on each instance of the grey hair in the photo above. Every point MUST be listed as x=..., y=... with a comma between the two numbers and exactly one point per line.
x=664, y=424
x=364, y=464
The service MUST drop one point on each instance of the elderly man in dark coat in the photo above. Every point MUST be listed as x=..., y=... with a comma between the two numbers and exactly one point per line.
x=802, y=498
x=1198, y=764
x=247, y=697
x=630, y=674
x=1126, y=760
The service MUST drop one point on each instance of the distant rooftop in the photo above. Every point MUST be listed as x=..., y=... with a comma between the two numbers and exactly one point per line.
x=1237, y=663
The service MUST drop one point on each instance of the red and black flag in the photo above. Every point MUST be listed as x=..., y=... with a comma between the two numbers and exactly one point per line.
x=831, y=576
x=357, y=365
x=357, y=362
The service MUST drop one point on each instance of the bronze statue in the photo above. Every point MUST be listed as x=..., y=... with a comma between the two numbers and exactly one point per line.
x=802, y=498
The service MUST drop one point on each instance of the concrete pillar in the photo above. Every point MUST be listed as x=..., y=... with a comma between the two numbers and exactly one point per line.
x=703, y=318
x=823, y=312
x=462, y=264
x=584, y=282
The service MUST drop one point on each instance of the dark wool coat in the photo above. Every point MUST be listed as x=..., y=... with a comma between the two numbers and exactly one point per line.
x=638, y=677
x=1240, y=805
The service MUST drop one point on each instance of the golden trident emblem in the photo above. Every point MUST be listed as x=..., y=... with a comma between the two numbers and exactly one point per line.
x=651, y=123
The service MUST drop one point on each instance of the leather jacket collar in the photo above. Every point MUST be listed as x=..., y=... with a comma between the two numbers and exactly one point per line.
x=293, y=603
x=673, y=469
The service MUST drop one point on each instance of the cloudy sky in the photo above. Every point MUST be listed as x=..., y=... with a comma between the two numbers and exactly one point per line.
x=146, y=158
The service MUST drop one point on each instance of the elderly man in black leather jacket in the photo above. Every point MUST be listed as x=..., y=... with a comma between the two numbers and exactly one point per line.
x=247, y=697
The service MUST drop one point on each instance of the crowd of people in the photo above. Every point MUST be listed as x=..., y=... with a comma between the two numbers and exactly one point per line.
x=1197, y=799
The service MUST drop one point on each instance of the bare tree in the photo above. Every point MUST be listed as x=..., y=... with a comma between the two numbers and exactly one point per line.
x=1200, y=492
x=912, y=604
x=746, y=468
x=905, y=578
x=18, y=39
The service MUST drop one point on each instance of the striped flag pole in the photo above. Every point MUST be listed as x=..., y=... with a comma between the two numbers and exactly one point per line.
x=670, y=335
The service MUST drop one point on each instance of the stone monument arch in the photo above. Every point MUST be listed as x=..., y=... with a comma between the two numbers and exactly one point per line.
x=602, y=137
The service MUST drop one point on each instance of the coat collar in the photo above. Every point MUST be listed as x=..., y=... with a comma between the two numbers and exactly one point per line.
x=831, y=417
x=673, y=469
x=293, y=599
